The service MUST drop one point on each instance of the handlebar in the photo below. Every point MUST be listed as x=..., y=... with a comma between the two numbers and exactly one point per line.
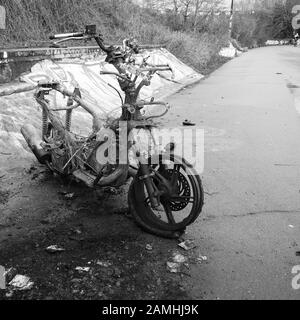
x=90, y=30
x=155, y=69
x=150, y=70
x=66, y=35
x=88, y=34
x=139, y=105
x=91, y=33
x=114, y=74
x=151, y=103
x=48, y=85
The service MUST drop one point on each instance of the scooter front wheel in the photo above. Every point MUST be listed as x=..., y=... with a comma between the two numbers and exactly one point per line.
x=178, y=208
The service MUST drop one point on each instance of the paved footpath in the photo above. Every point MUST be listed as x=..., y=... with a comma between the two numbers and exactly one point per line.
x=250, y=228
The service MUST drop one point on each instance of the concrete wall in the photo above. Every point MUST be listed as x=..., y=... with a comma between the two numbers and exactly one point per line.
x=17, y=106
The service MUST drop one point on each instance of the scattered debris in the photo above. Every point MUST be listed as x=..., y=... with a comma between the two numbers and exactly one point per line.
x=63, y=193
x=149, y=247
x=5, y=153
x=76, y=237
x=70, y=195
x=77, y=231
x=31, y=169
x=104, y=264
x=54, y=249
x=187, y=245
x=66, y=194
x=292, y=86
x=173, y=267
x=75, y=280
x=10, y=274
x=111, y=190
x=9, y=294
x=188, y=123
x=200, y=259
x=21, y=283
x=212, y=194
x=285, y=165
x=35, y=176
x=83, y=269
x=179, y=258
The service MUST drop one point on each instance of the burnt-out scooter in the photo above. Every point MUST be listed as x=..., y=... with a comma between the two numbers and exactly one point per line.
x=166, y=194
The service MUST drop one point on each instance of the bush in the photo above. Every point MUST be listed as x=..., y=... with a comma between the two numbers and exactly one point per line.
x=30, y=22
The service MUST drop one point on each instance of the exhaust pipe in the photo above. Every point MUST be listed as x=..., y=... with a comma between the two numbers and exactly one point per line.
x=34, y=142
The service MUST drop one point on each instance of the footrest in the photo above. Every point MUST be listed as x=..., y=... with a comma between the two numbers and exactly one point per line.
x=85, y=177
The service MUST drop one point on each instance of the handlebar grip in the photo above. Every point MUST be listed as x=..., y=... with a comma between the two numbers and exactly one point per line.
x=152, y=103
x=66, y=35
x=115, y=74
x=106, y=72
x=47, y=84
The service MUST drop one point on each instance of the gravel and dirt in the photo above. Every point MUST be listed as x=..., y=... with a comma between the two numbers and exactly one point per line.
x=95, y=229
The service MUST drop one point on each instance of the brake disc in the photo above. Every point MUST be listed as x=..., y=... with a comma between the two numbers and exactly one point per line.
x=184, y=190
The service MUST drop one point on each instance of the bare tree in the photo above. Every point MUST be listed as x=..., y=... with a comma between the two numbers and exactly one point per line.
x=175, y=7
x=205, y=9
x=186, y=5
x=191, y=12
x=198, y=4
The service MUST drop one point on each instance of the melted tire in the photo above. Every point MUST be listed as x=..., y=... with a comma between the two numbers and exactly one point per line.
x=146, y=224
x=147, y=219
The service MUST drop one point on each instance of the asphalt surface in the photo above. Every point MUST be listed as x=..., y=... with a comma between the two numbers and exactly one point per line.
x=251, y=220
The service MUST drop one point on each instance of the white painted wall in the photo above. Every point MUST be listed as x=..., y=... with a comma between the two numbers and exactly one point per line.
x=21, y=108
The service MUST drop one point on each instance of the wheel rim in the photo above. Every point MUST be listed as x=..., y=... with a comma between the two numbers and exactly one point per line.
x=177, y=211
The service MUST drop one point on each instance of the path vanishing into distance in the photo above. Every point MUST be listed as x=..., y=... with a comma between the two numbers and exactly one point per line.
x=250, y=230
